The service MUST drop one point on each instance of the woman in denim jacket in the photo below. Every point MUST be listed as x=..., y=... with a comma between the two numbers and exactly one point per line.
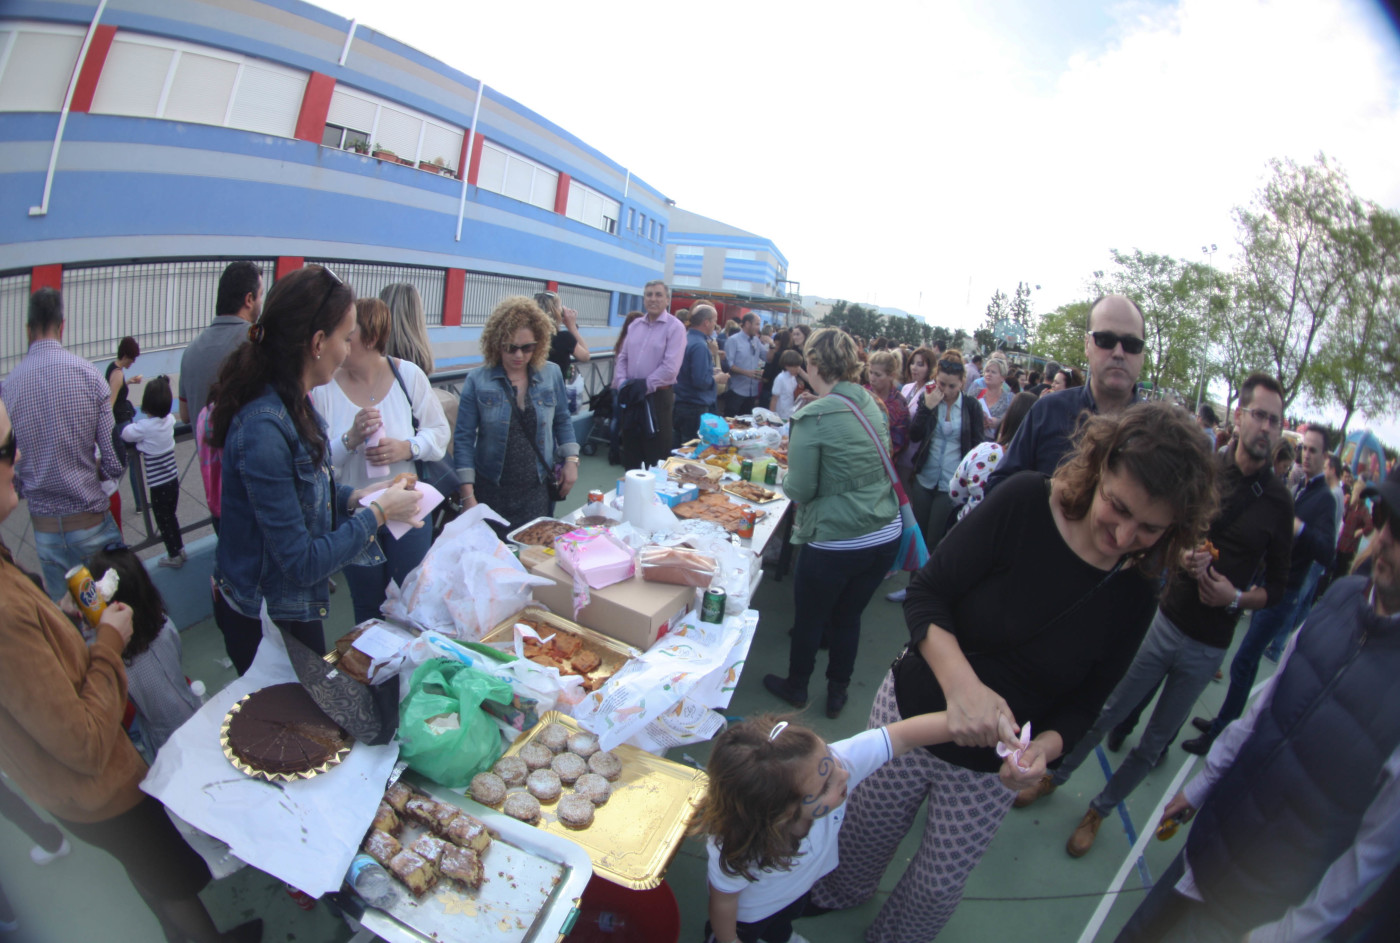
x=286, y=527
x=513, y=414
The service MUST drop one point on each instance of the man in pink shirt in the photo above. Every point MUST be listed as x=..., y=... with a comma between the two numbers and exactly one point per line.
x=647, y=366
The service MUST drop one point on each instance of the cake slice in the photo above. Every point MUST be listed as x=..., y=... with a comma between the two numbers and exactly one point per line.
x=414, y=871
x=397, y=796
x=381, y=846
x=470, y=833
x=422, y=810
x=385, y=820
x=463, y=866
x=429, y=848
x=446, y=815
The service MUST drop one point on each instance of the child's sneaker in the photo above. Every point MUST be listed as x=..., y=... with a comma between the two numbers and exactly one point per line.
x=41, y=856
x=173, y=562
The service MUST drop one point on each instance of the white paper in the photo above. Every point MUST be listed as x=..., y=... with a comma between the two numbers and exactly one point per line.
x=375, y=471
x=687, y=722
x=431, y=498
x=378, y=643
x=304, y=832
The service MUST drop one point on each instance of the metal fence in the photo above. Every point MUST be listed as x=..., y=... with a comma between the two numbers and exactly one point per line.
x=483, y=292
x=14, y=311
x=370, y=278
x=161, y=304
x=592, y=305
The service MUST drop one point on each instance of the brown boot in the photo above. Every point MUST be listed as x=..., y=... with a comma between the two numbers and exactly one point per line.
x=1026, y=796
x=1083, y=838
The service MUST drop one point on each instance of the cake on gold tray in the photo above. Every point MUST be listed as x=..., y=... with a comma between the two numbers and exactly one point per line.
x=279, y=733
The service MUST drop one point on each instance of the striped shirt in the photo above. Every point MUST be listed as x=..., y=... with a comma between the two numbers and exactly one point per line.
x=875, y=538
x=155, y=440
x=58, y=404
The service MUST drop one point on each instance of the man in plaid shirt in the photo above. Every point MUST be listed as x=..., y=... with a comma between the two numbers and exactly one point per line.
x=58, y=404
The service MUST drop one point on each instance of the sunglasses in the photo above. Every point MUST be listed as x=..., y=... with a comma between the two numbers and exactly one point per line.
x=1107, y=340
x=9, y=449
x=951, y=367
x=521, y=348
x=335, y=283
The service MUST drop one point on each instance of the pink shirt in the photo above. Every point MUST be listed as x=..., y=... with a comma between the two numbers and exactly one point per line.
x=653, y=349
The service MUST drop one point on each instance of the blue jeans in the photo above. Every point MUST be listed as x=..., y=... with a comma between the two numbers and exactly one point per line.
x=1187, y=667
x=1165, y=916
x=830, y=590
x=1264, y=626
x=368, y=583
x=59, y=553
x=1311, y=584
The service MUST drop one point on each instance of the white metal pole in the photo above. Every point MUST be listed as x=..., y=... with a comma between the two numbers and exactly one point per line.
x=349, y=38
x=43, y=208
x=471, y=139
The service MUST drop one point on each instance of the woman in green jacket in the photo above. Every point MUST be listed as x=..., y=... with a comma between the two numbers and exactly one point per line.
x=847, y=518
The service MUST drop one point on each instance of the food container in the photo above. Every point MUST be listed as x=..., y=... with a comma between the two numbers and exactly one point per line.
x=679, y=565
x=534, y=884
x=595, y=556
x=564, y=528
x=751, y=493
x=675, y=467
x=612, y=654
x=636, y=834
x=674, y=493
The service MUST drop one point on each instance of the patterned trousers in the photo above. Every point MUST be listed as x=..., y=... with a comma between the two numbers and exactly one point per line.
x=965, y=811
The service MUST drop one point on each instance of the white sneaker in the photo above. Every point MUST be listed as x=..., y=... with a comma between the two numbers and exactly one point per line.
x=798, y=938
x=898, y=595
x=41, y=857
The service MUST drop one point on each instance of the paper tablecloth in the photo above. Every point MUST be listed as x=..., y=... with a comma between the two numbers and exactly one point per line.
x=305, y=832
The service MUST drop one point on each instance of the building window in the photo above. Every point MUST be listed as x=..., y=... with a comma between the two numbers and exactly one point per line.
x=660, y=233
x=592, y=208
x=346, y=139
x=733, y=284
x=697, y=252
x=685, y=281
x=514, y=175
x=36, y=62
x=377, y=124
x=746, y=255
x=631, y=219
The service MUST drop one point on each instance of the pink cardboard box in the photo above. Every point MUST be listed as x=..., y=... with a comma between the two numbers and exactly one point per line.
x=595, y=555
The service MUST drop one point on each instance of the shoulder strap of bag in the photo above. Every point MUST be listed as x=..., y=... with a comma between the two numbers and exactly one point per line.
x=874, y=436
x=529, y=433
x=403, y=386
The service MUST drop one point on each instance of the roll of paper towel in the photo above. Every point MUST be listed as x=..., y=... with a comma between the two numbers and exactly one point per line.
x=638, y=489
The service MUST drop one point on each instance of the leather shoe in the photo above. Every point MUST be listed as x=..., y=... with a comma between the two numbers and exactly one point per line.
x=1115, y=739
x=786, y=690
x=835, y=700
x=1026, y=796
x=1083, y=838
x=1201, y=724
x=1199, y=746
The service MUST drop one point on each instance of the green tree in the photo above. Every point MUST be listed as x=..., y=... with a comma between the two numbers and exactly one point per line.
x=1059, y=335
x=1235, y=348
x=1021, y=306
x=1172, y=295
x=997, y=309
x=1356, y=361
x=1294, y=263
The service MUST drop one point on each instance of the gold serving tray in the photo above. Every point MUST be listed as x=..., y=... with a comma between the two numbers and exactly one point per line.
x=637, y=832
x=612, y=654
x=247, y=770
x=729, y=489
x=673, y=465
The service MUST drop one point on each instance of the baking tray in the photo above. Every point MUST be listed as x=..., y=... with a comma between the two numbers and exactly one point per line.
x=534, y=883
x=636, y=834
x=549, y=547
x=612, y=654
x=674, y=464
x=729, y=490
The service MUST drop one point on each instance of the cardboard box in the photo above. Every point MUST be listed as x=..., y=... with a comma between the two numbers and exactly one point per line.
x=633, y=611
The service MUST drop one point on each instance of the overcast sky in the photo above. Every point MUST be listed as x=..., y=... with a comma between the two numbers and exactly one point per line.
x=921, y=156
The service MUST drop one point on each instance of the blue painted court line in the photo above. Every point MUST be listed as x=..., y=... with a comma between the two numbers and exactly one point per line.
x=1143, y=873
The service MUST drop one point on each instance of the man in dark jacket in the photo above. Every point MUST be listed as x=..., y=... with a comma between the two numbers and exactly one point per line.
x=1314, y=544
x=1300, y=798
x=695, y=384
x=1114, y=338
x=947, y=424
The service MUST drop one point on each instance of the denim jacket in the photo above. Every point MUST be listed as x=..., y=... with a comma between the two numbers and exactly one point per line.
x=284, y=529
x=483, y=422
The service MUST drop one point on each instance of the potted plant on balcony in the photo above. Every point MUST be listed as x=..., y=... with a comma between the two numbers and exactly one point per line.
x=437, y=165
x=383, y=153
x=360, y=147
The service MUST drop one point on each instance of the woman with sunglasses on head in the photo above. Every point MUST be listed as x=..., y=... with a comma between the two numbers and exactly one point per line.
x=63, y=746
x=383, y=417
x=286, y=525
x=1031, y=642
x=567, y=344
x=513, y=422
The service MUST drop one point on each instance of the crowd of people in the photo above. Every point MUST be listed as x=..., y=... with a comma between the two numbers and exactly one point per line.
x=1153, y=530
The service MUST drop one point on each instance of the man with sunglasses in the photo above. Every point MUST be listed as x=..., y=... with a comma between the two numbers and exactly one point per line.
x=1314, y=546
x=646, y=368
x=1300, y=798
x=58, y=403
x=1113, y=345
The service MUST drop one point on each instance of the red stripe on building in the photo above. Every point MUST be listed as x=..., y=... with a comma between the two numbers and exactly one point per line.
x=452, y=295
x=551, y=286
x=286, y=264
x=315, y=106
x=477, y=141
x=46, y=276
x=561, y=196
x=92, y=67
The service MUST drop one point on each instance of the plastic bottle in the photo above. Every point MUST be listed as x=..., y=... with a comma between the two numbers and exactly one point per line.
x=370, y=881
x=611, y=922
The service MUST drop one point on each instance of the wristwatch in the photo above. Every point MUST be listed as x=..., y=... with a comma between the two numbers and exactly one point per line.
x=1235, y=604
x=413, y=450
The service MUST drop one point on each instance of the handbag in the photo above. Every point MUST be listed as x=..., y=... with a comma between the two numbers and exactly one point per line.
x=912, y=553
x=439, y=473
x=556, y=471
x=369, y=713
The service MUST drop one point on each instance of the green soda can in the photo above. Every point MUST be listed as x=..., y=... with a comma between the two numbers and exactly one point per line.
x=712, y=606
x=770, y=474
x=746, y=470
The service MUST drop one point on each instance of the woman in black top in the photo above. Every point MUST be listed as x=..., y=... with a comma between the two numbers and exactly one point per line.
x=568, y=340
x=123, y=412
x=1001, y=639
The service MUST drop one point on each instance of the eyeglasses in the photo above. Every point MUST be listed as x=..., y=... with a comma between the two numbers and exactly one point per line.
x=1107, y=340
x=521, y=348
x=1266, y=417
x=10, y=448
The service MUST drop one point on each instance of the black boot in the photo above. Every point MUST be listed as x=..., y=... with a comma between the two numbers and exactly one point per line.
x=786, y=690
x=835, y=699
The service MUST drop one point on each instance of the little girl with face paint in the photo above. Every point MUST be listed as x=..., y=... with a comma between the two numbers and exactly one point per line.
x=773, y=812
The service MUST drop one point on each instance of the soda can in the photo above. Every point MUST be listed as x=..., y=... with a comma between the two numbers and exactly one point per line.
x=747, y=518
x=85, y=594
x=595, y=496
x=712, y=606
x=746, y=469
x=770, y=474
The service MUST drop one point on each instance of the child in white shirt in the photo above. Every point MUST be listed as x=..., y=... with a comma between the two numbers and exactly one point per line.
x=785, y=385
x=154, y=437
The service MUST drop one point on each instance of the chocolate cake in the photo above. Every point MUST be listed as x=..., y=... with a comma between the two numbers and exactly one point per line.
x=279, y=729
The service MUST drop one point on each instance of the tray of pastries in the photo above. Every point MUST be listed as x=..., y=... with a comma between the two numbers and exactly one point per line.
x=753, y=493
x=574, y=649
x=717, y=508
x=539, y=533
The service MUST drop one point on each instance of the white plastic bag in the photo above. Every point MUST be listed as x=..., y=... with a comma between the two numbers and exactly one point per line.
x=467, y=584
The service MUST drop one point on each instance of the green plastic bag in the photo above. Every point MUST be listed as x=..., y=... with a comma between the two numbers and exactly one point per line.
x=446, y=754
